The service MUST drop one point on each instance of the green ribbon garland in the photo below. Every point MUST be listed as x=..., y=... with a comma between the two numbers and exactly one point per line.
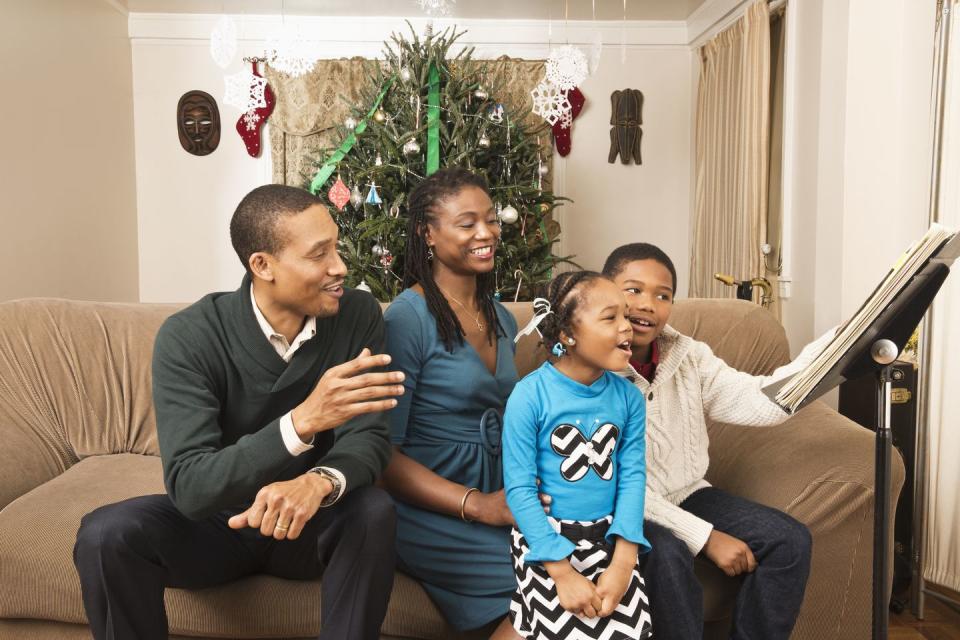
x=433, y=121
x=331, y=164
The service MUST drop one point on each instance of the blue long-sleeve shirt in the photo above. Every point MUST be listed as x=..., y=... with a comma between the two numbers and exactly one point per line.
x=586, y=445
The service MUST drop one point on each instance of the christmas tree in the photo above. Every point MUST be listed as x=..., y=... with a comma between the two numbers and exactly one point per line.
x=423, y=110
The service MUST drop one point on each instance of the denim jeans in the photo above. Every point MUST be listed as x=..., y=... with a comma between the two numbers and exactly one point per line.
x=770, y=597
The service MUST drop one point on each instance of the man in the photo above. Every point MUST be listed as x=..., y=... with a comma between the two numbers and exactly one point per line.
x=271, y=431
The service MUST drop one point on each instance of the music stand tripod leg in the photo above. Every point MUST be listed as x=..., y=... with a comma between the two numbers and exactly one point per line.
x=884, y=352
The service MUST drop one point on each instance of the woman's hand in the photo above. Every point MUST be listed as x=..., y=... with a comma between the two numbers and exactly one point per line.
x=577, y=594
x=489, y=508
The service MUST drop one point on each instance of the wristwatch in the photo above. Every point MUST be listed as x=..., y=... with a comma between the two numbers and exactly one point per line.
x=334, y=495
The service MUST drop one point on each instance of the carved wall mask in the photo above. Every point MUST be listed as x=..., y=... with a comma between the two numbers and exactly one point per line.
x=198, y=123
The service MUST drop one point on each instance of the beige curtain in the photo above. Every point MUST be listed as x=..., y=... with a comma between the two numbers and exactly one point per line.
x=772, y=263
x=941, y=527
x=310, y=107
x=732, y=154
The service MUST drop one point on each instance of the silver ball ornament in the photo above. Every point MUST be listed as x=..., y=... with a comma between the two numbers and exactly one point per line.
x=350, y=123
x=379, y=115
x=356, y=198
x=543, y=169
x=481, y=93
x=376, y=250
x=405, y=74
x=508, y=215
x=484, y=141
x=411, y=147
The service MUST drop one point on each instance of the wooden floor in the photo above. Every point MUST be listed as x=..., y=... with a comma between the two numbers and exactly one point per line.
x=941, y=622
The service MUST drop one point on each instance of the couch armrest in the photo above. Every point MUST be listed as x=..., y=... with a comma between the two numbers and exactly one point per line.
x=818, y=467
x=28, y=457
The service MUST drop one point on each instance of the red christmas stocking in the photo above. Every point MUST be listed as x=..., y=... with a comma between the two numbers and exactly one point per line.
x=561, y=129
x=251, y=123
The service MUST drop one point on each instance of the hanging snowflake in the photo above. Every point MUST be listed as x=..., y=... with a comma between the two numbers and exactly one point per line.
x=566, y=67
x=223, y=41
x=291, y=54
x=549, y=102
x=245, y=91
x=251, y=118
x=436, y=7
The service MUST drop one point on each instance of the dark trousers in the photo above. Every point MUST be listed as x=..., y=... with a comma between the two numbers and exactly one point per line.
x=127, y=553
x=769, y=599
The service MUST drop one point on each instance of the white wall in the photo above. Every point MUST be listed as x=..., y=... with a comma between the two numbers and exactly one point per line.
x=68, y=224
x=185, y=202
x=861, y=156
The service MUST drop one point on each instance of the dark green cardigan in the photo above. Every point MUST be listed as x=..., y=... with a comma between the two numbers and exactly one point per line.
x=220, y=389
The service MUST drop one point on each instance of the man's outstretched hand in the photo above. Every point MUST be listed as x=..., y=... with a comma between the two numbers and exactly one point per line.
x=282, y=508
x=345, y=391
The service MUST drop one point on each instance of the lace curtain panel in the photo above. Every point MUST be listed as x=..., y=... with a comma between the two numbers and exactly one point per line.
x=732, y=154
x=310, y=108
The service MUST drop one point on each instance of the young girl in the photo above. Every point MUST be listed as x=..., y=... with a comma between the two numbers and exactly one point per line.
x=580, y=429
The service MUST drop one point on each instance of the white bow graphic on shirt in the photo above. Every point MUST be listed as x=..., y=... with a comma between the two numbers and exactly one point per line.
x=582, y=454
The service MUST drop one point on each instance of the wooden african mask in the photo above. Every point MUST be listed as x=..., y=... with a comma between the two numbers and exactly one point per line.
x=198, y=123
x=626, y=116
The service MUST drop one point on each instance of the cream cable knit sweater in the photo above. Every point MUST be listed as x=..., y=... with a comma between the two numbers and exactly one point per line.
x=690, y=384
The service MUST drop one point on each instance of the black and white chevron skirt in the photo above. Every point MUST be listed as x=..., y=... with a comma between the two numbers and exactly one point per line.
x=535, y=610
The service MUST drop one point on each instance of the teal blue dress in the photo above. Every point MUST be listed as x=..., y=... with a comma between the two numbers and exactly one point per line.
x=449, y=420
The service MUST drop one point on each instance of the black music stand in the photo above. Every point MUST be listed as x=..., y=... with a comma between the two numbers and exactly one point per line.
x=873, y=352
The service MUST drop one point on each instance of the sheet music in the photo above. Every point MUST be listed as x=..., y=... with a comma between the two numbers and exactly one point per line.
x=794, y=391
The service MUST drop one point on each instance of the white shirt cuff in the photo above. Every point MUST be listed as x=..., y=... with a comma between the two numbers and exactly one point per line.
x=291, y=440
x=332, y=498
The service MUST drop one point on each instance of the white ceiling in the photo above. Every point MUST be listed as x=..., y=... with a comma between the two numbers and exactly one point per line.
x=466, y=9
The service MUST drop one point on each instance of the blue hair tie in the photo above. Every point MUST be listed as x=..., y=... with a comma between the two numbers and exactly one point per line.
x=559, y=350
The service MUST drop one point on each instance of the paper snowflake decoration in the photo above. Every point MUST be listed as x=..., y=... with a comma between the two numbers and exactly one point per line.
x=291, y=54
x=245, y=91
x=436, y=7
x=549, y=102
x=567, y=67
x=251, y=118
x=223, y=41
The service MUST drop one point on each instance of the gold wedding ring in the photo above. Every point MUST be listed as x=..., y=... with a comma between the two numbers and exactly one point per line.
x=281, y=527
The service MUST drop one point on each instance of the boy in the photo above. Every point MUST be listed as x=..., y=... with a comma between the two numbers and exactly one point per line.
x=685, y=383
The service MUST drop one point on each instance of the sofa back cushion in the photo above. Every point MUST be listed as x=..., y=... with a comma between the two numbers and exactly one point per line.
x=75, y=376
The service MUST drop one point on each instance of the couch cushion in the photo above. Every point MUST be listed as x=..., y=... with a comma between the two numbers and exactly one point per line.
x=38, y=579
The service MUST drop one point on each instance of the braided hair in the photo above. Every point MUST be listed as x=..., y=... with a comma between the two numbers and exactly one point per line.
x=564, y=297
x=422, y=209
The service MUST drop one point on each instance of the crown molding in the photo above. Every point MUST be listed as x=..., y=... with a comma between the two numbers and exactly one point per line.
x=345, y=36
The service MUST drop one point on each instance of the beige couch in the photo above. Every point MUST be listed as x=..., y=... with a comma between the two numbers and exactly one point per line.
x=77, y=431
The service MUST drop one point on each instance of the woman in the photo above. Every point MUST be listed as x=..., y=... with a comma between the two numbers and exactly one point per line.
x=455, y=344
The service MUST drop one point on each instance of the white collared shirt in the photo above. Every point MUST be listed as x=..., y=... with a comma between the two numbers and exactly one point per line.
x=285, y=350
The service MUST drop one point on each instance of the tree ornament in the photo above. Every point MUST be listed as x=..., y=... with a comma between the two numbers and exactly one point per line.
x=376, y=250
x=356, y=198
x=372, y=196
x=386, y=259
x=543, y=170
x=566, y=67
x=483, y=142
x=405, y=74
x=363, y=286
x=250, y=124
x=378, y=161
x=481, y=93
x=223, y=41
x=549, y=102
x=411, y=147
x=245, y=91
x=380, y=115
x=350, y=123
x=496, y=113
x=339, y=194
x=508, y=215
